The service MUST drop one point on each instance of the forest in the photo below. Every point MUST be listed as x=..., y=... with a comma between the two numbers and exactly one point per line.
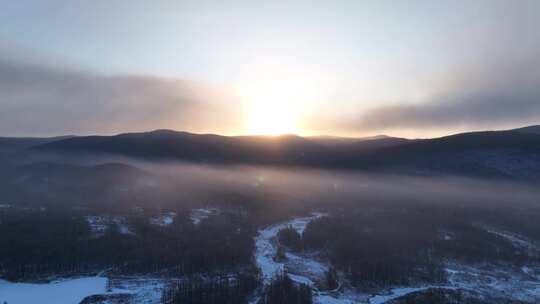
x=373, y=234
x=34, y=244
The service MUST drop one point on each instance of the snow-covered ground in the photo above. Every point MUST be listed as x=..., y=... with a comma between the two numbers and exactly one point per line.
x=521, y=284
x=99, y=224
x=518, y=284
x=394, y=294
x=164, y=219
x=518, y=241
x=266, y=248
x=302, y=269
x=142, y=290
x=73, y=291
x=498, y=281
x=197, y=215
x=59, y=292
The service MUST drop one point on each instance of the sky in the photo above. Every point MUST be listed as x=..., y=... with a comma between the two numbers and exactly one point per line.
x=344, y=68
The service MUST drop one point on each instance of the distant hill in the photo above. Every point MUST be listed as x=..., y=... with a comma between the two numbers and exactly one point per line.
x=487, y=154
x=9, y=144
x=201, y=148
x=208, y=148
x=333, y=141
x=529, y=129
x=513, y=153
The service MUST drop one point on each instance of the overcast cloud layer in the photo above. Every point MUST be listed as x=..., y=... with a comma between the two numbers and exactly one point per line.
x=496, y=96
x=42, y=101
x=38, y=100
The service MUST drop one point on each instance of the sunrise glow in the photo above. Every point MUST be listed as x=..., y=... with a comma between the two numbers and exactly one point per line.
x=275, y=107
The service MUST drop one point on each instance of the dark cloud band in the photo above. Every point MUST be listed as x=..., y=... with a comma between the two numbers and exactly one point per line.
x=484, y=98
x=37, y=100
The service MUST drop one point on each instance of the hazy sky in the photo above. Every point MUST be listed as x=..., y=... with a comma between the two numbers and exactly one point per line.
x=412, y=68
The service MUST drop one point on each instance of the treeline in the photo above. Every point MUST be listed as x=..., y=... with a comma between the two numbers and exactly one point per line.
x=40, y=243
x=237, y=288
x=448, y=296
x=289, y=237
x=375, y=251
x=282, y=290
x=232, y=289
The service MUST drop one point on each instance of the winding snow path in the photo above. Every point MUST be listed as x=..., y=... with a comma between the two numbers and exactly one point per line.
x=266, y=248
x=300, y=269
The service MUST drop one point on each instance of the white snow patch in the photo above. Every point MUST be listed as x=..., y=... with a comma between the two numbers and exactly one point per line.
x=326, y=299
x=498, y=281
x=197, y=215
x=143, y=290
x=164, y=219
x=526, y=269
x=343, y=297
x=446, y=235
x=399, y=292
x=517, y=240
x=59, y=292
x=394, y=294
x=301, y=279
x=531, y=271
x=305, y=266
x=99, y=224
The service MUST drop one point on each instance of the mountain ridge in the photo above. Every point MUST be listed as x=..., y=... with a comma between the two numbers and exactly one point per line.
x=513, y=153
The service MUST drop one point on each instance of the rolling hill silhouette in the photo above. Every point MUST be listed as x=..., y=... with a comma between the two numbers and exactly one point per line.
x=511, y=153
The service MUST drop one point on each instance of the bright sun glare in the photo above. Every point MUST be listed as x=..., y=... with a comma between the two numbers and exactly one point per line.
x=273, y=107
x=271, y=117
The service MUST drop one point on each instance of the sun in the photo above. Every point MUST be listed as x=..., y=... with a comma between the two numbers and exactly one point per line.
x=269, y=116
x=273, y=108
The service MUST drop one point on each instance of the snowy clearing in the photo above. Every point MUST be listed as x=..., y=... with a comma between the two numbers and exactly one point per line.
x=59, y=292
x=498, y=281
x=73, y=291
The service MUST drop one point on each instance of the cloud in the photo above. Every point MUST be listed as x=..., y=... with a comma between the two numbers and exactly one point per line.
x=486, y=97
x=38, y=100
